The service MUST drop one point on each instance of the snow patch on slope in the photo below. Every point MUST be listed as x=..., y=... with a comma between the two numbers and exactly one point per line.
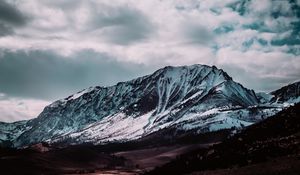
x=117, y=127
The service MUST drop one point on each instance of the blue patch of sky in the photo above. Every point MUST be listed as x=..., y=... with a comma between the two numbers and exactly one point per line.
x=224, y=29
x=294, y=50
x=262, y=42
x=258, y=26
x=216, y=11
x=180, y=8
x=239, y=6
x=247, y=44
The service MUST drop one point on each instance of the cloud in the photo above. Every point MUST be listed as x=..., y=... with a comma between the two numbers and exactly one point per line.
x=120, y=25
x=102, y=22
x=127, y=26
x=10, y=14
x=176, y=32
x=15, y=109
x=5, y=30
x=46, y=75
x=269, y=71
x=10, y=18
x=198, y=34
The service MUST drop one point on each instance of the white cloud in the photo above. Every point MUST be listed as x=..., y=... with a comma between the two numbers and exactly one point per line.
x=280, y=68
x=154, y=32
x=103, y=26
x=14, y=109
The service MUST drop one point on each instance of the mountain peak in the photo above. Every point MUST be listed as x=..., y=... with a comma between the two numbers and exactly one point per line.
x=195, y=69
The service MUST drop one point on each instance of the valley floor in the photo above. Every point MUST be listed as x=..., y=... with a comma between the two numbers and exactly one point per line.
x=147, y=159
x=91, y=160
x=289, y=165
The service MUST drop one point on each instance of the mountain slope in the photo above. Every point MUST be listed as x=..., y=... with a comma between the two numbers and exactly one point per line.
x=187, y=97
x=270, y=147
x=9, y=131
x=176, y=96
x=288, y=94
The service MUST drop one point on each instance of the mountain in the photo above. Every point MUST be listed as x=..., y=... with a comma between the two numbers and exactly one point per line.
x=196, y=97
x=288, y=94
x=268, y=147
x=10, y=131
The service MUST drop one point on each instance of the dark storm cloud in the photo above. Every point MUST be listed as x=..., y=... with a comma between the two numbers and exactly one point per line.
x=198, y=34
x=45, y=75
x=122, y=25
x=11, y=14
x=5, y=30
x=10, y=17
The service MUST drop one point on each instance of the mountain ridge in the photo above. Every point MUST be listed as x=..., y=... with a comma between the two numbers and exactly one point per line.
x=289, y=92
x=186, y=97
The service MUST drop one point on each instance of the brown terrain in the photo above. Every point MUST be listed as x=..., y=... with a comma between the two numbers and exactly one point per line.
x=88, y=160
x=125, y=158
x=147, y=159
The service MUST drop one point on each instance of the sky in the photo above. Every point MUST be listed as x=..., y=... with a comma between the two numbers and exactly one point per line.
x=50, y=49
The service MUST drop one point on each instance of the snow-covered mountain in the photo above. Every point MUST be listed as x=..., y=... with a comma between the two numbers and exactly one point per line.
x=287, y=94
x=10, y=131
x=187, y=97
